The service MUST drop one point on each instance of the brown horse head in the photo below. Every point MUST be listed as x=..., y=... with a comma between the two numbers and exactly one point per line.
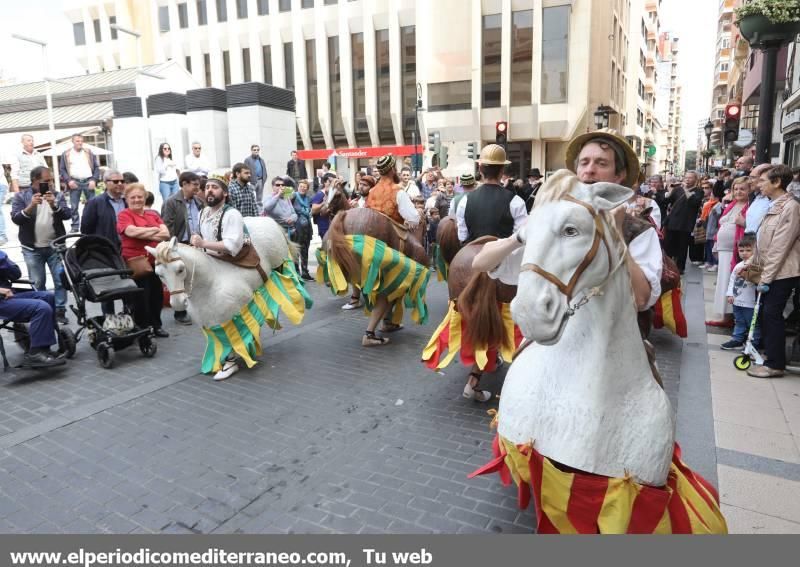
x=447, y=238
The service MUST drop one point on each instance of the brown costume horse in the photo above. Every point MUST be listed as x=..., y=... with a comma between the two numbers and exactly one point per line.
x=448, y=245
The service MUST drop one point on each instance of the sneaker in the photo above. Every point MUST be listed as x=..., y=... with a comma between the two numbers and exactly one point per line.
x=711, y=269
x=697, y=263
x=764, y=372
x=160, y=333
x=61, y=317
x=183, y=318
x=478, y=395
x=41, y=359
x=228, y=369
x=349, y=306
x=306, y=276
x=732, y=344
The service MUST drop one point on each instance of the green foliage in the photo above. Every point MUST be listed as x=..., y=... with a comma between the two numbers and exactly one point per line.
x=776, y=11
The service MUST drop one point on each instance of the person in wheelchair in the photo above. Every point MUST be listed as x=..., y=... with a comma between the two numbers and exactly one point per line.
x=37, y=308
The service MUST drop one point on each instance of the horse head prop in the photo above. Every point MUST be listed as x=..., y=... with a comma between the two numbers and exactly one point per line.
x=171, y=268
x=582, y=392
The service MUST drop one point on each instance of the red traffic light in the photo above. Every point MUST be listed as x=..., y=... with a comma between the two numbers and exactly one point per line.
x=733, y=111
x=501, y=127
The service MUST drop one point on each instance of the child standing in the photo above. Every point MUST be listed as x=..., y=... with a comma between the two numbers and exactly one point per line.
x=742, y=295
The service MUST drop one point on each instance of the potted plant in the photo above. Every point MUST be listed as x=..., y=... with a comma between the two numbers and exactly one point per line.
x=768, y=21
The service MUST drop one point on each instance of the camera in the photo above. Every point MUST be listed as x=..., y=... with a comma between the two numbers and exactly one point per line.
x=44, y=188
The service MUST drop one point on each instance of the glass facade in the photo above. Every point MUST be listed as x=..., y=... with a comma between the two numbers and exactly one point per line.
x=317, y=140
x=555, y=54
x=207, y=66
x=246, y=65
x=288, y=63
x=266, y=55
x=222, y=11
x=385, y=129
x=163, y=19
x=492, y=32
x=79, y=33
x=262, y=7
x=226, y=67
x=335, y=74
x=241, y=9
x=521, y=57
x=202, y=13
x=455, y=95
x=359, y=96
x=183, y=15
x=408, y=63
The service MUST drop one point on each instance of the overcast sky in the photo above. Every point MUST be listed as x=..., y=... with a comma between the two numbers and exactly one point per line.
x=693, y=21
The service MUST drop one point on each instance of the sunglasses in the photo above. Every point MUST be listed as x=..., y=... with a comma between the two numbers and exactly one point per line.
x=278, y=185
x=116, y=181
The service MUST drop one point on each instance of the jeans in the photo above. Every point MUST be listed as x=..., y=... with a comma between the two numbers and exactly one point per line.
x=35, y=308
x=710, y=260
x=75, y=201
x=742, y=317
x=3, y=193
x=35, y=260
x=773, y=324
x=167, y=188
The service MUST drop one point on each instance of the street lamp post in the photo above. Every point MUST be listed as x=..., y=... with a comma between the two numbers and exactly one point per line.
x=49, y=102
x=417, y=141
x=708, y=128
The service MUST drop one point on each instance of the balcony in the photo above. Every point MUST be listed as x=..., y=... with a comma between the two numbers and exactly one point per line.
x=650, y=61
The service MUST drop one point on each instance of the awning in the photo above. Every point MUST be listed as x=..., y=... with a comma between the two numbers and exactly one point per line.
x=63, y=117
x=376, y=151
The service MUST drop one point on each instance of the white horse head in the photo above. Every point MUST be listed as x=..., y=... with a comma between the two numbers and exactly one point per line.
x=171, y=268
x=583, y=393
x=572, y=247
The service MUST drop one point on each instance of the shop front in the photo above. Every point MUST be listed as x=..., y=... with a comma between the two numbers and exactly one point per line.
x=346, y=161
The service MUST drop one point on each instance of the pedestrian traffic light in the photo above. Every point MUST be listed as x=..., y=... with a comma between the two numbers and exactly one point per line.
x=443, y=157
x=733, y=114
x=501, y=133
x=472, y=150
x=434, y=142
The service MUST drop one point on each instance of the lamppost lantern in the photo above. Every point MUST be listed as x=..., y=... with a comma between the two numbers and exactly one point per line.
x=600, y=118
x=709, y=128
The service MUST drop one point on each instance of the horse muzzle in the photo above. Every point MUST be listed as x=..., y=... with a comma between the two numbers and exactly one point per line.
x=540, y=312
x=179, y=301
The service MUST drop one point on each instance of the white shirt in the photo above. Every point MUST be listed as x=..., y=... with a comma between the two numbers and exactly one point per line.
x=43, y=230
x=655, y=213
x=407, y=209
x=645, y=250
x=166, y=169
x=79, y=167
x=197, y=165
x=232, y=229
x=412, y=190
x=517, y=208
x=22, y=165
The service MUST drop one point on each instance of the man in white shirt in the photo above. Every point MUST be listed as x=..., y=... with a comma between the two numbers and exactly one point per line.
x=27, y=159
x=196, y=163
x=80, y=172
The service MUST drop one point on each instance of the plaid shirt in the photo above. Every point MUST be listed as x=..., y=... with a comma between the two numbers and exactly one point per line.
x=243, y=198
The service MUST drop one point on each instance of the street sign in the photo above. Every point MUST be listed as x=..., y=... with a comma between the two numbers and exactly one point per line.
x=651, y=151
x=745, y=138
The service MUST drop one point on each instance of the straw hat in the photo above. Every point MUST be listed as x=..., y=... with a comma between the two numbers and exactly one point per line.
x=632, y=166
x=493, y=154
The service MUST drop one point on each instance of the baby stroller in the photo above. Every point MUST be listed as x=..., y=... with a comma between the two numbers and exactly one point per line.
x=94, y=271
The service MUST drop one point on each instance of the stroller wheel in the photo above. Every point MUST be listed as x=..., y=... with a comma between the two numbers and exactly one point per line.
x=148, y=346
x=742, y=362
x=67, y=343
x=105, y=355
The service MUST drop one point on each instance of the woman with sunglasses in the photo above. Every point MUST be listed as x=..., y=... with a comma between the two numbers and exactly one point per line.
x=167, y=171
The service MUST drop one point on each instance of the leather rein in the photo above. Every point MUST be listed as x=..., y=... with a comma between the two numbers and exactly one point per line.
x=191, y=279
x=568, y=289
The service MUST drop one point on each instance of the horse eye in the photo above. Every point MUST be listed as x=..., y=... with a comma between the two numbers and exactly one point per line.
x=570, y=231
x=180, y=270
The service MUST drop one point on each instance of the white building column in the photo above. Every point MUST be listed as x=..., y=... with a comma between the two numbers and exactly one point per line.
x=198, y=63
x=346, y=75
x=214, y=49
x=370, y=78
x=109, y=63
x=176, y=34
x=254, y=42
x=129, y=137
x=395, y=74
x=207, y=121
x=91, y=45
x=278, y=64
x=300, y=85
x=323, y=82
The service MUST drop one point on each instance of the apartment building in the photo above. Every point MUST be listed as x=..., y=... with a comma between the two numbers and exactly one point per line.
x=723, y=62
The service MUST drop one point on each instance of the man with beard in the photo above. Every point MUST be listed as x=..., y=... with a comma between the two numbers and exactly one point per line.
x=222, y=232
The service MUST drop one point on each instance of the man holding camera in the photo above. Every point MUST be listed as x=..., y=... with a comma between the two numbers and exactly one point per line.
x=40, y=215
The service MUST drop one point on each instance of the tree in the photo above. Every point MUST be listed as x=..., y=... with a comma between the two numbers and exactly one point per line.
x=690, y=161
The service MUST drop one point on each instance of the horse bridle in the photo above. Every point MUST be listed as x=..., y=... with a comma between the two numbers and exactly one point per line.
x=568, y=289
x=191, y=279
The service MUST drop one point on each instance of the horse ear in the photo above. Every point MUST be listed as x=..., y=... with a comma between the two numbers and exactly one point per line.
x=646, y=212
x=607, y=196
x=173, y=242
x=151, y=251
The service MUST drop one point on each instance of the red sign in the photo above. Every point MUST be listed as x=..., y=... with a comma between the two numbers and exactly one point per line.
x=377, y=151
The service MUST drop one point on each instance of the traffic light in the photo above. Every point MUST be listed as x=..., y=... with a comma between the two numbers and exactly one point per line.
x=443, y=157
x=733, y=114
x=472, y=150
x=501, y=133
x=434, y=142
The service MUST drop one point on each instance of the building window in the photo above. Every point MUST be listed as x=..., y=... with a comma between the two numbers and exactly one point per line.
x=331, y=2
x=163, y=19
x=79, y=33
x=284, y=5
x=207, y=65
x=456, y=95
x=555, y=54
x=335, y=70
x=222, y=11
x=202, y=13
x=385, y=128
x=183, y=15
x=262, y=6
x=226, y=67
x=408, y=65
x=112, y=20
x=521, y=57
x=288, y=63
x=241, y=9
x=317, y=141
x=97, y=36
x=492, y=32
x=359, y=96
x=246, y=64
x=266, y=55
x=307, y=4
x=188, y=63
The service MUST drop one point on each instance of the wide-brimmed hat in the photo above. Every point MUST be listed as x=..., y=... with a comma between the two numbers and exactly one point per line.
x=535, y=173
x=368, y=179
x=385, y=164
x=493, y=154
x=612, y=138
x=467, y=180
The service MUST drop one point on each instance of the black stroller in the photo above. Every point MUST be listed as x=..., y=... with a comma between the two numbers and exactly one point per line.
x=94, y=271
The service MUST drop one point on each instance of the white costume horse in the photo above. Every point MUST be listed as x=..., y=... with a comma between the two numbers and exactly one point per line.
x=581, y=398
x=218, y=294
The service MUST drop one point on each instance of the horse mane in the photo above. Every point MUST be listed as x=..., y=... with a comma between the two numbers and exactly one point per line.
x=555, y=188
x=478, y=305
x=447, y=236
x=164, y=253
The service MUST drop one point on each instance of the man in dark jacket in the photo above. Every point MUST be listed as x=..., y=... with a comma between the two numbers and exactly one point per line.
x=258, y=171
x=40, y=216
x=295, y=168
x=181, y=215
x=34, y=307
x=685, y=202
